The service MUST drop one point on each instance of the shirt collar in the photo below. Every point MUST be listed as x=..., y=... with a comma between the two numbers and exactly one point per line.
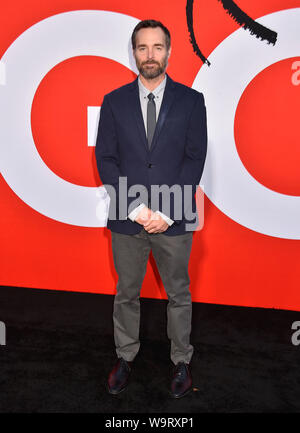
x=145, y=92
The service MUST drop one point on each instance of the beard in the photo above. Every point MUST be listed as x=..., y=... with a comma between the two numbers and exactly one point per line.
x=156, y=69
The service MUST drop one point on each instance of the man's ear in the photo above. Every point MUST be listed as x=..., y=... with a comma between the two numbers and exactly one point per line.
x=169, y=52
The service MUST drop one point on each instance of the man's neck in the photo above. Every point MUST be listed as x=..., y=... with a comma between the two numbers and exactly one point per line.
x=152, y=83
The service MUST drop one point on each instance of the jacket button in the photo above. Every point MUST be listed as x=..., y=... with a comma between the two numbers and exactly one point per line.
x=150, y=165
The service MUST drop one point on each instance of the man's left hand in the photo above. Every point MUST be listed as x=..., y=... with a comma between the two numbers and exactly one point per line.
x=156, y=224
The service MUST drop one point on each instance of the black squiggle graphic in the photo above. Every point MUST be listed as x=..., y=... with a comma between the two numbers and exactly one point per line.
x=245, y=21
x=189, y=20
x=239, y=16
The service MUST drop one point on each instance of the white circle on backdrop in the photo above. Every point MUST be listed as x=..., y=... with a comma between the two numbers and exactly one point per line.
x=30, y=57
x=234, y=63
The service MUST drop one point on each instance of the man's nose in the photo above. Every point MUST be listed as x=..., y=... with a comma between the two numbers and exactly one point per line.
x=150, y=54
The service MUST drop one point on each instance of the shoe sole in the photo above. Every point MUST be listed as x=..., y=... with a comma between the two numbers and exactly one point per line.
x=182, y=395
x=114, y=392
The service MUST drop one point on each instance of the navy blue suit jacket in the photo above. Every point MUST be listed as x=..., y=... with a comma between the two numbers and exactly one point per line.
x=176, y=156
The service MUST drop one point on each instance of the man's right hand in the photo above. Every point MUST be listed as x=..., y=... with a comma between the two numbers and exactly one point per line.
x=153, y=222
x=143, y=216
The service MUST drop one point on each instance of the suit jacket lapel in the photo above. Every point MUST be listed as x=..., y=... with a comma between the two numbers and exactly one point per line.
x=138, y=112
x=168, y=98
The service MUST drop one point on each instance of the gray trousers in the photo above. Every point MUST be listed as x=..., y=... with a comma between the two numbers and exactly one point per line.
x=171, y=254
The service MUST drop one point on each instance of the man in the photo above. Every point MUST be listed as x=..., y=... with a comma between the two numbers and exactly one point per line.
x=152, y=133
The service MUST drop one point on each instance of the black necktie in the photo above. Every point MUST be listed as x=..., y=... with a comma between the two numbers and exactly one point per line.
x=151, y=118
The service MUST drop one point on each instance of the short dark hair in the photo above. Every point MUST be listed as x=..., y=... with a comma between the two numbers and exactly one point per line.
x=153, y=24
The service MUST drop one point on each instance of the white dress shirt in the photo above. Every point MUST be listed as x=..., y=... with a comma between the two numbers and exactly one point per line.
x=158, y=93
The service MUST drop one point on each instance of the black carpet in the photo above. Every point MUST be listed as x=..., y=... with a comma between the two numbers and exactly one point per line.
x=59, y=350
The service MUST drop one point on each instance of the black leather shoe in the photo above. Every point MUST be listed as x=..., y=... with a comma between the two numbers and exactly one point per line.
x=181, y=381
x=118, y=377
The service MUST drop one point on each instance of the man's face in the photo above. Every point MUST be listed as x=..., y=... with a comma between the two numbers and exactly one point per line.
x=151, y=54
